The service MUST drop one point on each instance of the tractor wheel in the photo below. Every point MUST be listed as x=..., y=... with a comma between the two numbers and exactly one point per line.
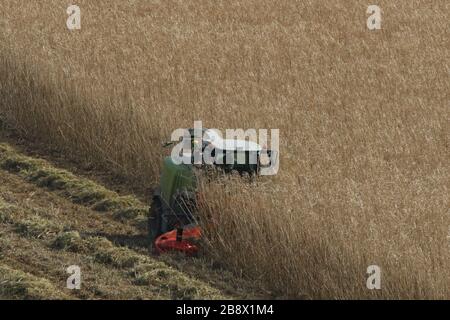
x=154, y=221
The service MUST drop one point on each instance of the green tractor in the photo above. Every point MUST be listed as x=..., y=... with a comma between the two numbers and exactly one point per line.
x=172, y=222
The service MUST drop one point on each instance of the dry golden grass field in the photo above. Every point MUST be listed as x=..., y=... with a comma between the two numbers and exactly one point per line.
x=363, y=116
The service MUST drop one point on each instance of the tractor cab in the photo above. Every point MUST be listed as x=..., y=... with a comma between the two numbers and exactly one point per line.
x=241, y=156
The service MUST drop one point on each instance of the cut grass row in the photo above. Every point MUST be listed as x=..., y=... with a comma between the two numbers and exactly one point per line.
x=143, y=270
x=78, y=190
x=17, y=284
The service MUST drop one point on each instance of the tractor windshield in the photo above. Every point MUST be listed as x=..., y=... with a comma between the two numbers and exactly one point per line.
x=241, y=161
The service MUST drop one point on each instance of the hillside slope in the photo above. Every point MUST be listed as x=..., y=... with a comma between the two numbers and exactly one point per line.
x=363, y=116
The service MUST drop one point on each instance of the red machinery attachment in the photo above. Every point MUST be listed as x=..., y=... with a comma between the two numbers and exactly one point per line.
x=181, y=239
